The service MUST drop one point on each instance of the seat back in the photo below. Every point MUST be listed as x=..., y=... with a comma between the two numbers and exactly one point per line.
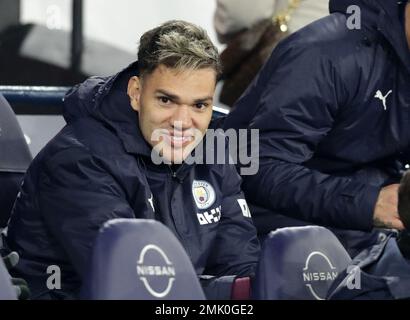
x=299, y=263
x=140, y=259
x=15, y=158
x=7, y=291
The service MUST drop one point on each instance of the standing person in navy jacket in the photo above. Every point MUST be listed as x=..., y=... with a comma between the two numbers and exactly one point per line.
x=104, y=165
x=333, y=108
x=383, y=270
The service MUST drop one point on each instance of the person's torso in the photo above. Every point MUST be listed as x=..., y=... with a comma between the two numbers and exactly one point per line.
x=187, y=201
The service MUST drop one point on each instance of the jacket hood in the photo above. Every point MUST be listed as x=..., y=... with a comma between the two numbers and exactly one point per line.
x=105, y=99
x=385, y=18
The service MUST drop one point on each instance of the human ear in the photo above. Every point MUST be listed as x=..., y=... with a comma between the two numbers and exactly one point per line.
x=134, y=92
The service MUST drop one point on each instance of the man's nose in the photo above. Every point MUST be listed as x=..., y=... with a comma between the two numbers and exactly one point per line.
x=182, y=117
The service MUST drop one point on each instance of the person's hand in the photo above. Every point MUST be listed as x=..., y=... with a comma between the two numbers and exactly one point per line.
x=21, y=286
x=386, y=210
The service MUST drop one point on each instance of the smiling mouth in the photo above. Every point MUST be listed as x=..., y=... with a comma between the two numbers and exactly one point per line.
x=179, y=141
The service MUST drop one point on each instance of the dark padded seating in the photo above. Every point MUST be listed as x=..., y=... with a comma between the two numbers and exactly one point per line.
x=140, y=259
x=15, y=158
x=299, y=263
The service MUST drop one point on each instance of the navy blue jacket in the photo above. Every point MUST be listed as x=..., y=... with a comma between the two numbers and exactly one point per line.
x=99, y=168
x=383, y=273
x=333, y=109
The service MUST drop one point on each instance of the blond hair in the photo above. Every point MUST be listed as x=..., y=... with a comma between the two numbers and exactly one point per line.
x=179, y=45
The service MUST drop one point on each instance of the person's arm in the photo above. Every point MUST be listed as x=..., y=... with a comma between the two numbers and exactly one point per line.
x=300, y=95
x=76, y=196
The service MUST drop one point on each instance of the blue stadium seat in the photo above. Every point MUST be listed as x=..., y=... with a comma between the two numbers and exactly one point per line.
x=299, y=263
x=7, y=291
x=142, y=260
x=15, y=158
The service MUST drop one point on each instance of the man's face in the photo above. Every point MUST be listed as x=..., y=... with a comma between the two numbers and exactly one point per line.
x=174, y=107
x=408, y=23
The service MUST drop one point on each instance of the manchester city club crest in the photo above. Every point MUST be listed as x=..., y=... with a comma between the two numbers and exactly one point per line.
x=204, y=194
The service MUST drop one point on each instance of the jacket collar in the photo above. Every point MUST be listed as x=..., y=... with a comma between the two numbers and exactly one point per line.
x=115, y=110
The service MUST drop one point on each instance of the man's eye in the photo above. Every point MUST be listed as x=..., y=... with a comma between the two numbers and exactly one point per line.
x=164, y=100
x=201, y=106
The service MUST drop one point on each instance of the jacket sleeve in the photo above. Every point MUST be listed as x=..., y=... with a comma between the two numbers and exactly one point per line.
x=236, y=247
x=76, y=196
x=298, y=95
